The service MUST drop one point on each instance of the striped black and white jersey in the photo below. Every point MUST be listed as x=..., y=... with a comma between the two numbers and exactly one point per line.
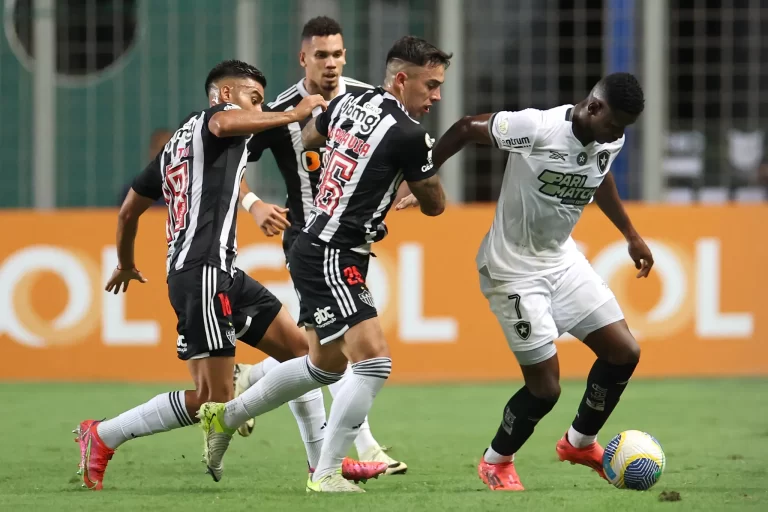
x=372, y=145
x=199, y=175
x=300, y=167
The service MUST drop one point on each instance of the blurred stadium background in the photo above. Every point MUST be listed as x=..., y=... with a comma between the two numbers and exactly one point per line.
x=87, y=84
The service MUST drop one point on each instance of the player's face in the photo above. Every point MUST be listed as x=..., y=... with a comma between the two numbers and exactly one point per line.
x=246, y=93
x=323, y=58
x=421, y=89
x=607, y=124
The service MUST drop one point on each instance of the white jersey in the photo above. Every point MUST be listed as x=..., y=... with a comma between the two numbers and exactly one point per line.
x=550, y=177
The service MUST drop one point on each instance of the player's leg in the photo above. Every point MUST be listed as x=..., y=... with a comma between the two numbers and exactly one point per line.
x=522, y=309
x=368, y=449
x=585, y=307
x=209, y=357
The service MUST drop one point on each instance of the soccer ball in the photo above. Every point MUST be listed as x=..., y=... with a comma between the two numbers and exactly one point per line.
x=634, y=460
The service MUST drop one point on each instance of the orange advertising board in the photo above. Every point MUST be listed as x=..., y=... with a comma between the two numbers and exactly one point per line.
x=702, y=311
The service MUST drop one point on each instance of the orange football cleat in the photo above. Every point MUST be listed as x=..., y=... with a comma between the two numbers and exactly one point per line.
x=499, y=477
x=358, y=471
x=590, y=456
x=94, y=454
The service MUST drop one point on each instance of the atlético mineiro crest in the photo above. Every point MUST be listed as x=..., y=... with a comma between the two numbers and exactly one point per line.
x=603, y=158
x=523, y=329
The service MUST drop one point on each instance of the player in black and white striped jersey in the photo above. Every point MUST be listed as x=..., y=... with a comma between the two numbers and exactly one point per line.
x=198, y=172
x=323, y=57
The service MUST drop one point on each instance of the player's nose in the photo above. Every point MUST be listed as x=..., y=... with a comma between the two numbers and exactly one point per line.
x=435, y=96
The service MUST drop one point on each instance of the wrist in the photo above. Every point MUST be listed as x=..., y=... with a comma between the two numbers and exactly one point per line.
x=630, y=234
x=248, y=201
x=131, y=266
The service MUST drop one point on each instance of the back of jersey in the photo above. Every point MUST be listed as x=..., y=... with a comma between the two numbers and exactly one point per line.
x=372, y=144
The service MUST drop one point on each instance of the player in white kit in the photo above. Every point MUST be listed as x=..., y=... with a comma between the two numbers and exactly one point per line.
x=537, y=283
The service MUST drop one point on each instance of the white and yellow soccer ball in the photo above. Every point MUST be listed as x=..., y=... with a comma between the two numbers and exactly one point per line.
x=634, y=460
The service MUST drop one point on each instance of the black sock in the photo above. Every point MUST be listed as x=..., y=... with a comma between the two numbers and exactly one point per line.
x=522, y=413
x=605, y=384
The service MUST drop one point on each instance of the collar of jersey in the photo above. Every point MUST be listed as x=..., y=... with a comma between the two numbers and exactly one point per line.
x=388, y=96
x=303, y=92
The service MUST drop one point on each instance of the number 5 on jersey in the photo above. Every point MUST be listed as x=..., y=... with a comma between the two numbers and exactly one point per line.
x=338, y=171
x=522, y=328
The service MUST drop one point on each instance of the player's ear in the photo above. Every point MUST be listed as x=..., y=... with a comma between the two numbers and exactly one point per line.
x=400, y=78
x=594, y=107
x=302, y=58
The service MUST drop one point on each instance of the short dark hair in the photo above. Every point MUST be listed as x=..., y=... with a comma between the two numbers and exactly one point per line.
x=321, y=26
x=233, y=68
x=419, y=52
x=622, y=92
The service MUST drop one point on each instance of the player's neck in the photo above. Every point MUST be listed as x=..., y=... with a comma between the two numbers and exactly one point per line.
x=312, y=88
x=577, y=125
x=394, y=93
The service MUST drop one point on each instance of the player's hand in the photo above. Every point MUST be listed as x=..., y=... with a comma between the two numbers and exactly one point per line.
x=123, y=276
x=269, y=217
x=641, y=255
x=305, y=107
x=408, y=201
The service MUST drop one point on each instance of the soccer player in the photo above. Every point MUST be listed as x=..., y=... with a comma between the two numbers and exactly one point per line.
x=373, y=142
x=198, y=172
x=323, y=57
x=537, y=283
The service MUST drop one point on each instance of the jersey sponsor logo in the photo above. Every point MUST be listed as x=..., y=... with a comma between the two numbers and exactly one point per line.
x=556, y=155
x=365, y=117
x=516, y=142
x=581, y=159
x=523, y=329
x=311, y=160
x=324, y=316
x=567, y=187
x=503, y=126
x=426, y=167
x=345, y=139
x=181, y=345
x=603, y=157
x=429, y=140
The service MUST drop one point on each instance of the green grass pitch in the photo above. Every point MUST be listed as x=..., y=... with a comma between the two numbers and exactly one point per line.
x=715, y=434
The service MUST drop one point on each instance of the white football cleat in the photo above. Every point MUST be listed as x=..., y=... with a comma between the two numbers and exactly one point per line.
x=242, y=382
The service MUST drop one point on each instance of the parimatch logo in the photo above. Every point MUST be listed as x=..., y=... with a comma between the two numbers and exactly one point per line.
x=568, y=187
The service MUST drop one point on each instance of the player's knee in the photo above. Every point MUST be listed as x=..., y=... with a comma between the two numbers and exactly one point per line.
x=627, y=354
x=547, y=389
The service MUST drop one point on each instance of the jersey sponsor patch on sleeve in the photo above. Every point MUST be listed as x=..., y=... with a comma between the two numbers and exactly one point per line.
x=231, y=106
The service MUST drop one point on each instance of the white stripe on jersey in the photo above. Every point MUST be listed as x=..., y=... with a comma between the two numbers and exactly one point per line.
x=230, y=217
x=284, y=96
x=356, y=83
x=349, y=188
x=383, y=204
x=298, y=148
x=331, y=282
x=198, y=163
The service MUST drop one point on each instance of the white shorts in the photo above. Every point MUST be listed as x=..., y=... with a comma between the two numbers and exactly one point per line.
x=535, y=311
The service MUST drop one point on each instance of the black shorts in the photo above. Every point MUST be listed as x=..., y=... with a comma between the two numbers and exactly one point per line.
x=331, y=287
x=214, y=310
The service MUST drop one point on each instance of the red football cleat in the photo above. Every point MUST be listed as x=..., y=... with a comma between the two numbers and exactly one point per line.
x=590, y=456
x=499, y=477
x=94, y=454
x=358, y=471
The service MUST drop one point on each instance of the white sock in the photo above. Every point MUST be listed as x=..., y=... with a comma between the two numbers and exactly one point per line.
x=309, y=411
x=364, y=442
x=493, y=457
x=349, y=409
x=163, y=413
x=285, y=382
x=579, y=440
x=259, y=370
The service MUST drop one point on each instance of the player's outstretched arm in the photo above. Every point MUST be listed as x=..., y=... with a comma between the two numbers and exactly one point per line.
x=608, y=200
x=127, y=227
x=465, y=130
x=269, y=217
x=237, y=122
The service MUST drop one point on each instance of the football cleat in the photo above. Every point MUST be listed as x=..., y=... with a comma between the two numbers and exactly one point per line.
x=394, y=467
x=334, y=482
x=590, y=456
x=242, y=382
x=499, y=477
x=217, y=437
x=94, y=455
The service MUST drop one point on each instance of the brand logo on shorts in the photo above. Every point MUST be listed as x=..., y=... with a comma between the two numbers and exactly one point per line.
x=181, y=345
x=367, y=298
x=323, y=317
x=231, y=335
x=523, y=329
